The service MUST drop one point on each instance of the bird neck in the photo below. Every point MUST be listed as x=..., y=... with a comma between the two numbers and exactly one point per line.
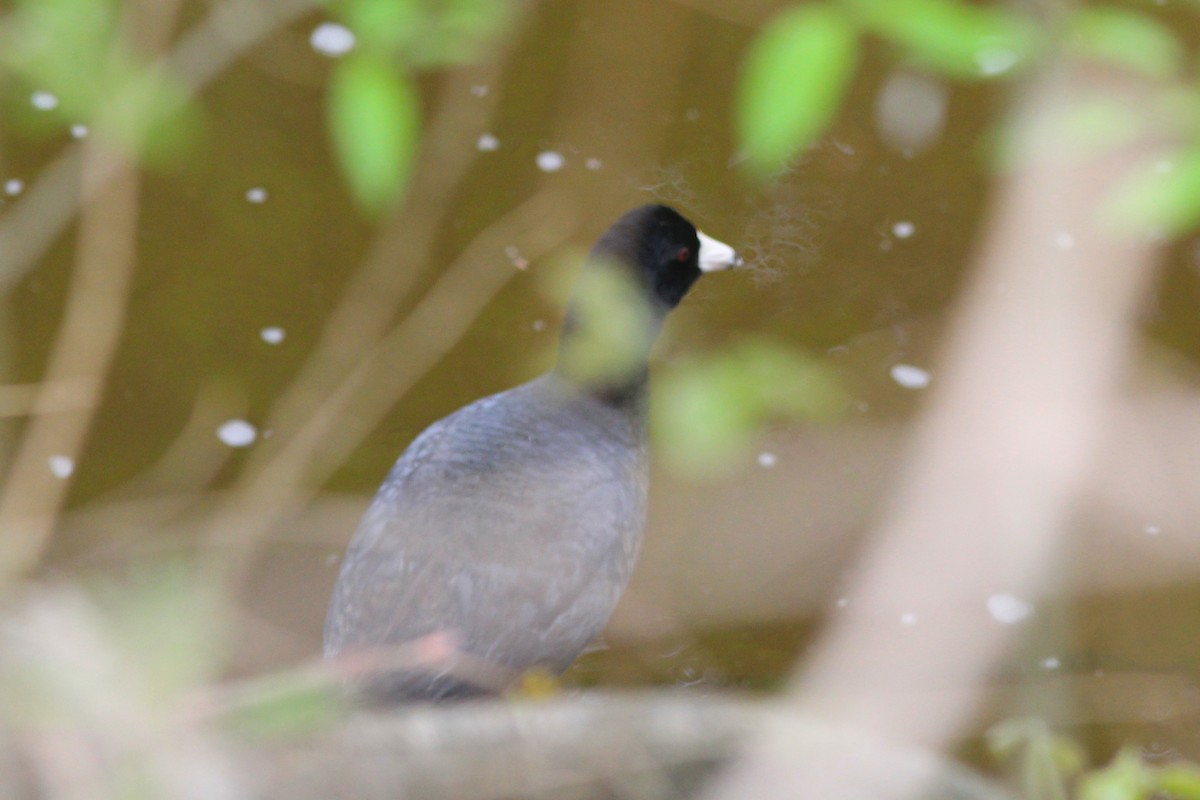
x=608, y=362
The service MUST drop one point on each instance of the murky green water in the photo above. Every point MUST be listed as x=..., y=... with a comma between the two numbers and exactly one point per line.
x=247, y=247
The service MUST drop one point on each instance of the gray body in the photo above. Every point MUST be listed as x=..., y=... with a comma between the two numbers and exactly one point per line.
x=511, y=525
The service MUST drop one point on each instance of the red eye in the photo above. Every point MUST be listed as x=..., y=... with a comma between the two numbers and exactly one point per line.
x=683, y=255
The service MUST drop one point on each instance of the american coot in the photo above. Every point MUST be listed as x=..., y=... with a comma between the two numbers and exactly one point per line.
x=509, y=528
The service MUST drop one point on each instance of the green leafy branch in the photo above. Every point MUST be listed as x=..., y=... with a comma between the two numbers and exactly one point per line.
x=374, y=104
x=797, y=72
x=1048, y=766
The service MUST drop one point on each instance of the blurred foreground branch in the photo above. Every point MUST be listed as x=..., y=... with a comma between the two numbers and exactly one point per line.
x=83, y=349
x=604, y=745
x=997, y=465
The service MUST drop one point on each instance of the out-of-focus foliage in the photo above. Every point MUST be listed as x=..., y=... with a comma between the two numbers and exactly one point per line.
x=1124, y=37
x=1164, y=198
x=1047, y=766
x=1042, y=763
x=374, y=118
x=427, y=33
x=796, y=72
x=120, y=678
x=74, y=51
x=793, y=81
x=708, y=410
x=78, y=55
x=612, y=326
x=374, y=108
x=284, y=704
x=956, y=39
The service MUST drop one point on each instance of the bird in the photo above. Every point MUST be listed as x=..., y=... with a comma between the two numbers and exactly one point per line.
x=504, y=535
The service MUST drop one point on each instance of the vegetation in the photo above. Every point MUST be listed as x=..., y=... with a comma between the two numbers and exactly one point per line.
x=100, y=680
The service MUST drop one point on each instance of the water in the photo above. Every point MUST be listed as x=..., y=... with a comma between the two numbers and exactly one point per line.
x=248, y=246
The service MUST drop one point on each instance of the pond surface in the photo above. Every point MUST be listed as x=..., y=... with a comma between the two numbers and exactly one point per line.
x=248, y=248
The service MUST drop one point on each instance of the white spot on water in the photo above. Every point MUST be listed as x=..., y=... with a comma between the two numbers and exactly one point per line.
x=593, y=164
x=332, y=39
x=910, y=377
x=14, y=186
x=257, y=195
x=79, y=130
x=61, y=466
x=1008, y=609
x=237, y=433
x=487, y=143
x=1051, y=662
x=1153, y=530
x=908, y=618
x=995, y=60
x=903, y=229
x=842, y=602
x=43, y=101
x=767, y=460
x=272, y=334
x=538, y=325
x=1064, y=240
x=550, y=161
x=479, y=90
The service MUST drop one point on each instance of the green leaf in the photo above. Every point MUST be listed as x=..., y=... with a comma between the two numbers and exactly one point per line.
x=957, y=39
x=285, y=704
x=423, y=33
x=792, y=82
x=612, y=326
x=1179, y=780
x=73, y=49
x=1165, y=197
x=374, y=118
x=1041, y=761
x=1126, y=38
x=708, y=411
x=1126, y=778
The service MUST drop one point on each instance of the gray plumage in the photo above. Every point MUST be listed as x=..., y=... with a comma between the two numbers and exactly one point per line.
x=545, y=487
x=511, y=527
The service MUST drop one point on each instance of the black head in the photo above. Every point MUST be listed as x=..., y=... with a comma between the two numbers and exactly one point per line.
x=638, y=271
x=661, y=246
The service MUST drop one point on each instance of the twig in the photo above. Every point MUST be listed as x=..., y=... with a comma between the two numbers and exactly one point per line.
x=999, y=459
x=31, y=224
x=356, y=405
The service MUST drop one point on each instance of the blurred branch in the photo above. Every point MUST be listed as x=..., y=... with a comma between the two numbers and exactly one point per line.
x=348, y=413
x=92, y=321
x=648, y=744
x=83, y=350
x=19, y=400
x=997, y=465
x=42, y=213
x=601, y=745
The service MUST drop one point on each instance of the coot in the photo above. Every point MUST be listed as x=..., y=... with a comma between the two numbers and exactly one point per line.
x=508, y=530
